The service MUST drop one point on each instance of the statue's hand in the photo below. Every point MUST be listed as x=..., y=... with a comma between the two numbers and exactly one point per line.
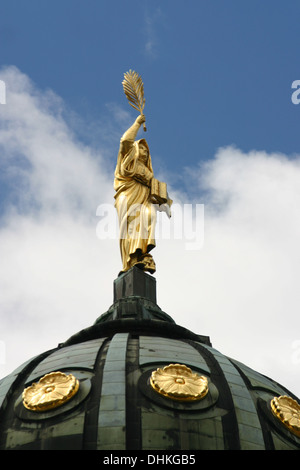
x=141, y=119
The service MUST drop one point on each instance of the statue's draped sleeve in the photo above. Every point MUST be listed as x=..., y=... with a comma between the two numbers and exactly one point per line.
x=128, y=165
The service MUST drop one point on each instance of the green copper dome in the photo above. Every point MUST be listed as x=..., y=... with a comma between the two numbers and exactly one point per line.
x=116, y=406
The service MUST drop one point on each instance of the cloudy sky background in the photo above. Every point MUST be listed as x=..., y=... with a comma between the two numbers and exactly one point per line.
x=223, y=132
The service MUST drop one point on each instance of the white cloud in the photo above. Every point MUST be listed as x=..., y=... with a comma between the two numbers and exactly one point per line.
x=56, y=276
x=34, y=133
x=242, y=288
x=53, y=268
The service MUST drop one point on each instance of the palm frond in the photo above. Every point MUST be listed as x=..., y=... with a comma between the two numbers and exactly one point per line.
x=134, y=90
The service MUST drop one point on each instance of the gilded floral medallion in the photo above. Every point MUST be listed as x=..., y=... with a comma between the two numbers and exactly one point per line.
x=51, y=391
x=178, y=382
x=287, y=410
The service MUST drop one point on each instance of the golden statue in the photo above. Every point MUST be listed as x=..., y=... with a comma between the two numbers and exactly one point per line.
x=138, y=194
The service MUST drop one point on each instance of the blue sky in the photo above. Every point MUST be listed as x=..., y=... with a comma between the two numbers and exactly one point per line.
x=222, y=131
x=216, y=73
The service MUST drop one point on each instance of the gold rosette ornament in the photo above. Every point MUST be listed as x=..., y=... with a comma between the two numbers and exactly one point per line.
x=287, y=410
x=51, y=391
x=178, y=382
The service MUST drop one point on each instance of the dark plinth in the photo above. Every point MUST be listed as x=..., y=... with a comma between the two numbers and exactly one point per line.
x=135, y=282
x=135, y=310
x=134, y=298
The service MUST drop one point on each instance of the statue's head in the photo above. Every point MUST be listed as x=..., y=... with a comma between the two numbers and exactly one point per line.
x=143, y=151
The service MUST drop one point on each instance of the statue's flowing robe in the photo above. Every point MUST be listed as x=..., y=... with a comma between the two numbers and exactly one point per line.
x=137, y=216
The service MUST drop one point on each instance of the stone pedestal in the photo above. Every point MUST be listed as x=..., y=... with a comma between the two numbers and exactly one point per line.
x=135, y=299
x=135, y=282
